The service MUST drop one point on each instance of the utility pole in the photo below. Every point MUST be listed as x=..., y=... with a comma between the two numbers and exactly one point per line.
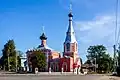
x=116, y=39
x=115, y=61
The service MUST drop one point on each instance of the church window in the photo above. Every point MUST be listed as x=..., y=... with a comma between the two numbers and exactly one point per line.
x=68, y=46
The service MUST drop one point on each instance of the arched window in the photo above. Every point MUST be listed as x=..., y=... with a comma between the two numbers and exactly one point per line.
x=68, y=46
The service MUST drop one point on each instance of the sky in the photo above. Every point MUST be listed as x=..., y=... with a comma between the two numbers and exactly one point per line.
x=23, y=21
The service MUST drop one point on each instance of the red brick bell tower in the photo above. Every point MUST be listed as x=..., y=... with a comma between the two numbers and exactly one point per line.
x=70, y=59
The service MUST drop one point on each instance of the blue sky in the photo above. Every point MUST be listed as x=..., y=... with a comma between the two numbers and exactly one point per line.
x=22, y=20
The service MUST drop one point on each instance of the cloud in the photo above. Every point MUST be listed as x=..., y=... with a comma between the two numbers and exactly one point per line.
x=99, y=30
x=95, y=4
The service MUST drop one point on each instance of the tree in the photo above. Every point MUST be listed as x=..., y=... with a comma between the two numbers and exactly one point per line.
x=118, y=68
x=9, y=53
x=119, y=57
x=0, y=63
x=98, y=53
x=39, y=60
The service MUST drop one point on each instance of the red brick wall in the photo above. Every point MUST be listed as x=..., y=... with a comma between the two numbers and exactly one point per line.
x=67, y=60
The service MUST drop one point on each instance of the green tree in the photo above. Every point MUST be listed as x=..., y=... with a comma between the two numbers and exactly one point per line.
x=9, y=54
x=119, y=57
x=118, y=68
x=39, y=60
x=98, y=53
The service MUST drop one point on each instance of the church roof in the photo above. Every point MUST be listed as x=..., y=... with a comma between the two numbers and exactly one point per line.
x=70, y=37
x=44, y=47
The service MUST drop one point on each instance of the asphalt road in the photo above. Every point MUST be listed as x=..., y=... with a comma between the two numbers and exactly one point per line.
x=53, y=77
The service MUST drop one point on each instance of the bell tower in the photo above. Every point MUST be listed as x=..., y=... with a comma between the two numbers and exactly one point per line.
x=70, y=44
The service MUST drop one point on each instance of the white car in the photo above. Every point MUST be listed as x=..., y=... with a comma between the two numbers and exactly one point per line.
x=114, y=73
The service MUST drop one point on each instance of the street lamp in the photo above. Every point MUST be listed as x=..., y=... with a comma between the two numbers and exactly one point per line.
x=95, y=64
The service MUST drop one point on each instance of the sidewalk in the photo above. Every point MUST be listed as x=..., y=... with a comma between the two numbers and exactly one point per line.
x=109, y=78
x=6, y=72
x=39, y=73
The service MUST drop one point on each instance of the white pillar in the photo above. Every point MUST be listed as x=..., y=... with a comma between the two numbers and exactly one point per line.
x=49, y=70
x=75, y=71
x=27, y=68
x=36, y=70
x=62, y=70
x=79, y=70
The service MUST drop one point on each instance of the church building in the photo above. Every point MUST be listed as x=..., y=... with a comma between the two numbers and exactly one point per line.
x=70, y=60
x=49, y=53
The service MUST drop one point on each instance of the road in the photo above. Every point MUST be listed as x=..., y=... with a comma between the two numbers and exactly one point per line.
x=58, y=77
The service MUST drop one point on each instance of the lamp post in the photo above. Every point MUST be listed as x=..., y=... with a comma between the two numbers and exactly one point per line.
x=95, y=64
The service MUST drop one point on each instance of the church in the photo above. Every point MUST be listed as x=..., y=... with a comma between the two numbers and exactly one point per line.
x=69, y=61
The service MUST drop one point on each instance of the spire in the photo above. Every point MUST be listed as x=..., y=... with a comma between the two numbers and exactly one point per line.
x=70, y=37
x=70, y=14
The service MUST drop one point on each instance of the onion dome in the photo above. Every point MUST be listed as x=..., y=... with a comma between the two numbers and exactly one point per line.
x=70, y=14
x=43, y=37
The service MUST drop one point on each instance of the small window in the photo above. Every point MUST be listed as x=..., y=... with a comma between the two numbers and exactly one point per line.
x=68, y=46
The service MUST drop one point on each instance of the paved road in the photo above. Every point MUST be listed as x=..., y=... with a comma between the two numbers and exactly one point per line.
x=53, y=77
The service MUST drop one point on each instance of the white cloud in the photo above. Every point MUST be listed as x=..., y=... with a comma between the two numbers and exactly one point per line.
x=99, y=30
